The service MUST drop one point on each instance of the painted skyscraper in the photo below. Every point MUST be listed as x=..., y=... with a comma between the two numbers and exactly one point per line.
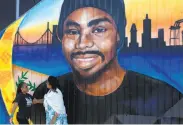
x=146, y=35
x=133, y=43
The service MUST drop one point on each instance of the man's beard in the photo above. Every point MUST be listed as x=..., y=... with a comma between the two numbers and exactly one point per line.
x=92, y=78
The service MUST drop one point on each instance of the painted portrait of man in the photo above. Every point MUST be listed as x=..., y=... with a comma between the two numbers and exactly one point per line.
x=117, y=61
x=99, y=90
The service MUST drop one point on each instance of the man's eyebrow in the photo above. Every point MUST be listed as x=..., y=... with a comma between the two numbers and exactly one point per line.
x=97, y=21
x=72, y=23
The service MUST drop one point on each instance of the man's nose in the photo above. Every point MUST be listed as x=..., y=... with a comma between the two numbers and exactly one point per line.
x=85, y=41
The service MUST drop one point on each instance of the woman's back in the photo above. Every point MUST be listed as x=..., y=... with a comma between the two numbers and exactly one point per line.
x=55, y=100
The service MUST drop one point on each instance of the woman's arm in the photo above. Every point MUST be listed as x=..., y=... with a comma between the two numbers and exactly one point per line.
x=54, y=118
x=13, y=111
x=36, y=101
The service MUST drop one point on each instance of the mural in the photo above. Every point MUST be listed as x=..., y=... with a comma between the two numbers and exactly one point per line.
x=115, y=62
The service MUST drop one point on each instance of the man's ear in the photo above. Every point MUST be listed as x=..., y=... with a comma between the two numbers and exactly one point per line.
x=118, y=38
x=58, y=34
x=118, y=42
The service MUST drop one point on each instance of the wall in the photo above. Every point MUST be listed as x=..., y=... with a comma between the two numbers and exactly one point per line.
x=30, y=52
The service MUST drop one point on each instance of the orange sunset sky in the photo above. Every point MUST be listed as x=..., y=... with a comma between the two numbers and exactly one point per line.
x=163, y=14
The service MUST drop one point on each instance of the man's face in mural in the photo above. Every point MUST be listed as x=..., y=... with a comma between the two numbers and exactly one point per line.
x=90, y=40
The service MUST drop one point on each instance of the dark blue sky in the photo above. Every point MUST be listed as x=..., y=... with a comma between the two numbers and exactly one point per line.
x=7, y=10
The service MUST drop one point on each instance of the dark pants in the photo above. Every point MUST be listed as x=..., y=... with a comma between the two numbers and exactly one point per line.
x=22, y=120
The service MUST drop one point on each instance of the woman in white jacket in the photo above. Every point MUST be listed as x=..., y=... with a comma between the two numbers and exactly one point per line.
x=53, y=103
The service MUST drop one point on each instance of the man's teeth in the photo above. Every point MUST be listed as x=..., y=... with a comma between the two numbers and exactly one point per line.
x=86, y=59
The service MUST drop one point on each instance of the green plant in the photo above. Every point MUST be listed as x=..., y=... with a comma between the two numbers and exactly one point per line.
x=23, y=78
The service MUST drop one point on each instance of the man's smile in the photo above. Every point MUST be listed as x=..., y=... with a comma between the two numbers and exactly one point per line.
x=86, y=61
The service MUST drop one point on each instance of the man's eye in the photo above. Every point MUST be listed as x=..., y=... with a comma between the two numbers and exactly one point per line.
x=99, y=30
x=72, y=32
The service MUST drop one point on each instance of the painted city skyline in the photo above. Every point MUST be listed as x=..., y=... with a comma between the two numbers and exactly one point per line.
x=132, y=41
x=163, y=14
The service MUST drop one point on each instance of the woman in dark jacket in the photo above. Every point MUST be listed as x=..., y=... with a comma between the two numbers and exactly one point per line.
x=24, y=101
